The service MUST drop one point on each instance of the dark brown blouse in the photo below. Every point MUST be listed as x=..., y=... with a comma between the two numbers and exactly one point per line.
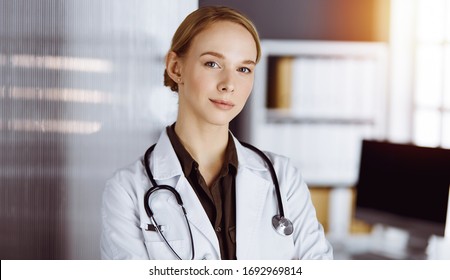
x=219, y=200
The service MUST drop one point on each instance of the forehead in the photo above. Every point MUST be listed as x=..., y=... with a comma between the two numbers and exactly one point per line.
x=228, y=38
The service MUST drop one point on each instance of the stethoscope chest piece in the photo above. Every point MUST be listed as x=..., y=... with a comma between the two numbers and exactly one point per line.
x=282, y=225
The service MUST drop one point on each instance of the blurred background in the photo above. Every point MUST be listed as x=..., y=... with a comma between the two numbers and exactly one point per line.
x=355, y=92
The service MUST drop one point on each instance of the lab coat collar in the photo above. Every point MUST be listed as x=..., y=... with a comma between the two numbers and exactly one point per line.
x=164, y=161
x=249, y=159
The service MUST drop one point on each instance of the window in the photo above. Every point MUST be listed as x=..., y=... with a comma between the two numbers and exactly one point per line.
x=431, y=100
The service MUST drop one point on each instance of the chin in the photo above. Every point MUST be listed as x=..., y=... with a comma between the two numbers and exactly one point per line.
x=220, y=118
x=219, y=122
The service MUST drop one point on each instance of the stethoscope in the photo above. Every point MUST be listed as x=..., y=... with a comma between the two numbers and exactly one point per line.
x=280, y=223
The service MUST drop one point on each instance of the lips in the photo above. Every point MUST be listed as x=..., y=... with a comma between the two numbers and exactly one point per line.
x=222, y=104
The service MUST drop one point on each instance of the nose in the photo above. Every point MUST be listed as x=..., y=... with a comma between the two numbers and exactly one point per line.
x=226, y=83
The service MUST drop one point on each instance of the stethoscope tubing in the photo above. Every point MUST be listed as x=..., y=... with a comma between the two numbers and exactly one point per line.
x=149, y=212
x=277, y=219
x=272, y=173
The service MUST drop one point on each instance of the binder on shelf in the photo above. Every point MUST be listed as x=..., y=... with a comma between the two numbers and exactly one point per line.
x=280, y=82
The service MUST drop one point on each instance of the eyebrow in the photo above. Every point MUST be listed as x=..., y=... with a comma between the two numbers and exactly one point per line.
x=221, y=56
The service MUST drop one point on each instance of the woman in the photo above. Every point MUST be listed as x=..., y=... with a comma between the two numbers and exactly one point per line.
x=226, y=189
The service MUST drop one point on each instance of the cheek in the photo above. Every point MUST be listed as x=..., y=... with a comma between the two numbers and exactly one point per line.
x=247, y=88
x=243, y=96
x=200, y=79
x=191, y=73
x=194, y=80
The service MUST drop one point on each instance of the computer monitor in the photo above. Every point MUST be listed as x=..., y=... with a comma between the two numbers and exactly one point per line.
x=404, y=186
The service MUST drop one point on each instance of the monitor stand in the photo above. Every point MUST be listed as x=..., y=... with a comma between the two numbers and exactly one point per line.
x=386, y=242
x=438, y=248
x=389, y=241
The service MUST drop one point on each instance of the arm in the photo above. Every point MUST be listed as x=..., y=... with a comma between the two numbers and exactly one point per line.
x=121, y=233
x=309, y=236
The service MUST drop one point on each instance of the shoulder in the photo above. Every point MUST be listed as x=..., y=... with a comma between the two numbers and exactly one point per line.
x=283, y=165
x=253, y=157
x=285, y=170
x=278, y=159
x=128, y=181
x=128, y=174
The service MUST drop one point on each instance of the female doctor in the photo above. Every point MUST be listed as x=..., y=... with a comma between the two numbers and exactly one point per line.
x=199, y=193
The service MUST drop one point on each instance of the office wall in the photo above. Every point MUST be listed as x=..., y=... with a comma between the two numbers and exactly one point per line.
x=343, y=20
x=81, y=95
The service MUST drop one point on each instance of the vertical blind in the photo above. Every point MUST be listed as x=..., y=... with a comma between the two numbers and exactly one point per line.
x=81, y=95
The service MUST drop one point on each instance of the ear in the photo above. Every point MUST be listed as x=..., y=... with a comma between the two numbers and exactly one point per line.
x=173, y=67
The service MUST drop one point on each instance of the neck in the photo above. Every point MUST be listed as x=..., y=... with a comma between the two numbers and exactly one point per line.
x=206, y=144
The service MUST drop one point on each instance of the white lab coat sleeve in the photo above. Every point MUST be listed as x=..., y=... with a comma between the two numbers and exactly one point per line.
x=122, y=236
x=309, y=237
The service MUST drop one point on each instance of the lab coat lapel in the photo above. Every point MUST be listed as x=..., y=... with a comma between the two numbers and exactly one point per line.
x=251, y=196
x=195, y=213
x=167, y=168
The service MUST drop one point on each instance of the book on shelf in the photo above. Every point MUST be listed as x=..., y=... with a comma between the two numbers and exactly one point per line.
x=280, y=82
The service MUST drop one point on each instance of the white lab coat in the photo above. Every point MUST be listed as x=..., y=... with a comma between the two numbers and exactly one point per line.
x=124, y=220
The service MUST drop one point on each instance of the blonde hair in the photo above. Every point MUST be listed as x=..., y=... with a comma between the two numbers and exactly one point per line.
x=198, y=21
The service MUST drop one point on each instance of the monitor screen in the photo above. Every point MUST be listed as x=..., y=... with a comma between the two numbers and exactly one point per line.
x=404, y=186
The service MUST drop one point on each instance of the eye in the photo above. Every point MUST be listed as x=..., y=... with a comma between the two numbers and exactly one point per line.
x=244, y=70
x=212, y=64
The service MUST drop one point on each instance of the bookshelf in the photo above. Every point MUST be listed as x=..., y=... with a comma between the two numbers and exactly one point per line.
x=314, y=101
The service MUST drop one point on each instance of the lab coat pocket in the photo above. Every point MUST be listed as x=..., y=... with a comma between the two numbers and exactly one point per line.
x=158, y=249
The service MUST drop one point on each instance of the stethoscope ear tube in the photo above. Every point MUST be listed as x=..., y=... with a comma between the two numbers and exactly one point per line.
x=147, y=165
x=156, y=187
x=272, y=173
x=280, y=223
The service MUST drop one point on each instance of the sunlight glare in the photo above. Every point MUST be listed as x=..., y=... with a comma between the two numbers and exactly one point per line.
x=429, y=76
x=430, y=17
x=427, y=126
